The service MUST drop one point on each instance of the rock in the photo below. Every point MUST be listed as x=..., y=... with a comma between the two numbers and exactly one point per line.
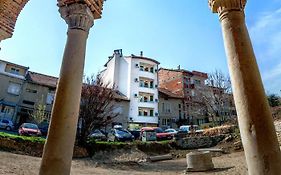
x=238, y=145
x=199, y=161
x=228, y=138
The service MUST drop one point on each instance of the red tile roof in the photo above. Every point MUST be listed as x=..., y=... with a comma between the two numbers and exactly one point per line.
x=42, y=79
x=169, y=93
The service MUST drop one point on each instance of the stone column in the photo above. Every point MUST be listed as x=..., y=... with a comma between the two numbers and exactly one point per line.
x=58, y=149
x=255, y=121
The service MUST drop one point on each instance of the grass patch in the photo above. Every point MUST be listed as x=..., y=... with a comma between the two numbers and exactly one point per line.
x=22, y=138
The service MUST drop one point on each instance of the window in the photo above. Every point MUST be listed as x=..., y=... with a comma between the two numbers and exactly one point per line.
x=146, y=112
x=31, y=90
x=179, y=113
x=28, y=102
x=5, y=121
x=179, y=105
x=151, y=113
x=145, y=99
x=14, y=71
x=50, y=98
x=146, y=67
x=141, y=83
x=151, y=84
x=198, y=82
x=144, y=82
x=151, y=98
x=166, y=107
x=14, y=88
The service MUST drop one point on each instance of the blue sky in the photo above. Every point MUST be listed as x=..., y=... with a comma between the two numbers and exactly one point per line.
x=178, y=32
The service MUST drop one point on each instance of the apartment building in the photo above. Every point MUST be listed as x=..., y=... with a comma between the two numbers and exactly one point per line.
x=185, y=83
x=137, y=78
x=12, y=78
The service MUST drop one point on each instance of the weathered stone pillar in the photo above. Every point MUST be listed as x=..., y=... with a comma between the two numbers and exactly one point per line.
x=255, y=122
x=58, y=149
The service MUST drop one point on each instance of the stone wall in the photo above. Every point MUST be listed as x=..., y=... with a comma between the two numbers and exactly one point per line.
x=199, y=142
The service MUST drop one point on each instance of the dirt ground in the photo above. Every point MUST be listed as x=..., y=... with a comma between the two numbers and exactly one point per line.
x=230, y=164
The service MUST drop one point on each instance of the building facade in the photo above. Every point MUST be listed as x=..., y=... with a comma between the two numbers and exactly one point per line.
x=170, y=108
x=38, y=89
x=12, y=78
x=137, y=78
x=185, y=83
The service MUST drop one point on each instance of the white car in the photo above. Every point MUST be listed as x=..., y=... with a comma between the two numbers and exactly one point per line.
x=172, y=131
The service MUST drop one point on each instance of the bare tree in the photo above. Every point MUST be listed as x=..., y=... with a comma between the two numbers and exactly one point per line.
x=39, y=113
x=97, y=108
x=215, y=98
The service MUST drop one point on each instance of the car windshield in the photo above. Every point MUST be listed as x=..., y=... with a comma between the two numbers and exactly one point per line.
x=97, y=132
x=170, y=130
x=30, y=126
x=159, y=130
x=121, y=131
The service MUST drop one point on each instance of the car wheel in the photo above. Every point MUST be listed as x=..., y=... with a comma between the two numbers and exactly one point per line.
x=8, y=128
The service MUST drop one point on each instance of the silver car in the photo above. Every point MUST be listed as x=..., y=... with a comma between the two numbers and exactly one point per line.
x=6, y=124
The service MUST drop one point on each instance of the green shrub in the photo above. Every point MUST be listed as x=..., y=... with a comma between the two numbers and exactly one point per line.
x=22, y=138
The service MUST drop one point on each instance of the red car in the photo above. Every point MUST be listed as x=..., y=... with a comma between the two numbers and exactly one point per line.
x=160, y=134
x=29, y=129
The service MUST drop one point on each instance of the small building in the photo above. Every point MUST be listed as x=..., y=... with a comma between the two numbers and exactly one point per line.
x=170, y=108
x=38, y=89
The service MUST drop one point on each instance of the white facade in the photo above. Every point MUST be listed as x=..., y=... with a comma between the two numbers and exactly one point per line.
x=136, y=77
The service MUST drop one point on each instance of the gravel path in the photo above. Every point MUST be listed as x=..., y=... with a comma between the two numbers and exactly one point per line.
x=230, y=164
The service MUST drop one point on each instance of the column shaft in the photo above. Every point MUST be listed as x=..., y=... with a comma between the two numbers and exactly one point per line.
x=58, y=149
x=254, y=116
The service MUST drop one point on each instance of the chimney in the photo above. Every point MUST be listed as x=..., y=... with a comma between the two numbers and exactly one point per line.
x=179, y=67
x=141, y=53
x=118, y=52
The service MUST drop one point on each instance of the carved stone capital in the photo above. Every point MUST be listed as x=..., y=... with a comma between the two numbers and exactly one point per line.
x=222, y=6
x=77, y=16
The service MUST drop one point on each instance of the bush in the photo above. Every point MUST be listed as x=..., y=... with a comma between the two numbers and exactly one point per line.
x=22, y=138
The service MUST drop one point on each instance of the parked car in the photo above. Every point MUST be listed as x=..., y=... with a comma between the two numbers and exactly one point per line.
x=189, y=128
x=98, y=135
x=29, y=129
x=171, y=131
x=120, y=135
x=136, y=134
x=160, y=134
x=44, y=127
x=6, y=124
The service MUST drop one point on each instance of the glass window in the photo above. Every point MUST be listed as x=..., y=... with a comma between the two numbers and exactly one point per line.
x=151, y=98
x=50, y=98
x=14, y=88
x=14, y=71
x=151, y=84
x=151, y=70
x=151, y=112
x=31, y=90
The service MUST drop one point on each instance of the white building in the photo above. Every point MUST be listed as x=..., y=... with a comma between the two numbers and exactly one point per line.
x=137, y=78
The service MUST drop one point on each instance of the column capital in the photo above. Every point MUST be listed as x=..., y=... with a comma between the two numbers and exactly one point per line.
x=221, y=6
x=77, y=16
